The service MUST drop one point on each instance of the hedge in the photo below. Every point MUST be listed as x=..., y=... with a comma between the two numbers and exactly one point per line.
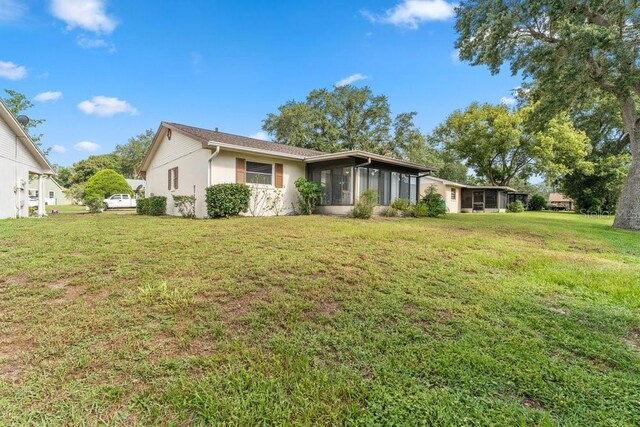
x=154, y=205
x=225, y=200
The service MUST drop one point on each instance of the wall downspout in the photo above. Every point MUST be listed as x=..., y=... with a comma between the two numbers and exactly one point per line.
x=213, y=156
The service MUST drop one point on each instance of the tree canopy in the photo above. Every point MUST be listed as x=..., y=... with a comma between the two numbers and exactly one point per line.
x=570, y=50
x=86, y=168
x=106, y=183
x=498, y=144
x=18, y=103
x=344, y=118
x=132, y=153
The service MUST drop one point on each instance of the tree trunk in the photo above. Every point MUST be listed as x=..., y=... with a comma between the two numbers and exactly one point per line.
x=628, y=211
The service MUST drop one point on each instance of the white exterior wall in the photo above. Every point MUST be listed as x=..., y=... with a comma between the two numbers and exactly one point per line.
x=191, y=160
x=59, y=198
x=223, y=171
x=14, y=170
x=453, y=206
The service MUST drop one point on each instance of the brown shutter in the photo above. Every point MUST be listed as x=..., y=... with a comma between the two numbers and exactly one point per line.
x=175, y=178
x=279, y=183
x=241, y=171
x=169, y=180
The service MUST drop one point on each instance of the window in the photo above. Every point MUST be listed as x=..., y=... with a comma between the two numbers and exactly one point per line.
x=116, y=197
x=172, y=179
x=52, y=195
x=453, y=194
x=259, y=173
x=125, y=197
x=341, y=184
x=385, y=187
x=413, y=189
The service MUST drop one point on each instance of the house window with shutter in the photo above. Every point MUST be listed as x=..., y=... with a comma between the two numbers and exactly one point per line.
x=172, y=179
x=259, y=173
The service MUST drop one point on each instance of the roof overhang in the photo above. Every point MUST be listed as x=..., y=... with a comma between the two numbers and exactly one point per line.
x=241, y=149
x=17, y=128
x=364, y=155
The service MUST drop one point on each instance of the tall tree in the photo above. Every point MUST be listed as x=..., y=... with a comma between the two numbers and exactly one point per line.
x=64, y=175
x=18, y=104
x=132, y=153
x=570, y=49
x=85, y=169
x=499, y=145
x=343, y=118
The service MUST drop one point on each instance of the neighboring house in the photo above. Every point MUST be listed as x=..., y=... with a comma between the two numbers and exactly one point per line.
x=20, y=159
x=468, y=198
x=560, y=202
x=185, y=160
x=138, y=186
x=54, y=193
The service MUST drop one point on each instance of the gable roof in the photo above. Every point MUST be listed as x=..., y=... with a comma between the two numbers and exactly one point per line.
x=477, y=187
x=205, y=135
x=24, y=137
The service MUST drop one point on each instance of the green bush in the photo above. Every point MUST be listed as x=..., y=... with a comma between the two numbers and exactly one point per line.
x=310, y=192
x=365, y=205
x=225, y=200
x=157, y=205
x=515, y=207
x=105, y=183
x=434, y=204
x=400, y=207
x=420, y=210
x=142, y=206
x=95, y=204
x=537, y=202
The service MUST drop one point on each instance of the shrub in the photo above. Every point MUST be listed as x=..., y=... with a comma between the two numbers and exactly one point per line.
x=515, y=207
x=310, y=192
x=434, y=204
x=142, y=206
x=186, y=205
x=94, y=203
x=420, y=210
x=400, y=207
x=225, y=200
x=537, y=202
x=364, y=207
x=157, y=205
x=106, y=183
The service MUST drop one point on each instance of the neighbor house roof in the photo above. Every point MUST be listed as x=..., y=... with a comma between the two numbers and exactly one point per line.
x=24, y=137
x=476, y=187
x=212, y=138
x=559, y=198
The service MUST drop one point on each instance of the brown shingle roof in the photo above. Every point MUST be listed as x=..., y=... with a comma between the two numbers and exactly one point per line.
x=206, y=135
x=559, y=198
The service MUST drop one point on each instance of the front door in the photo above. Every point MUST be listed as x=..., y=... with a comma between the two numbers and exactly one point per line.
x=478, y=200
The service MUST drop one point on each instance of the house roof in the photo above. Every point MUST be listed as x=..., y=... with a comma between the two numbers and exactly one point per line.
x=24, y=137
x=366, y=155
x=559, y=198
x=212, y=138
x=206, y=135
x=476, y=187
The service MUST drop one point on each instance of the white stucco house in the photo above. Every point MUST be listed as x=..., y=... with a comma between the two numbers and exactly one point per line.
x=185, y=160
x=20, y=161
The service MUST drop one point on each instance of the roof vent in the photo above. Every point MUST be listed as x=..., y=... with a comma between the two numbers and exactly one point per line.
x=216, y=130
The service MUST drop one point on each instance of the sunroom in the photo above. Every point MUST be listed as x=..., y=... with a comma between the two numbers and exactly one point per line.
x=344, y=176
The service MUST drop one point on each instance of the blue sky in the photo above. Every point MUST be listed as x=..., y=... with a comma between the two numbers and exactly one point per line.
x=102, y=71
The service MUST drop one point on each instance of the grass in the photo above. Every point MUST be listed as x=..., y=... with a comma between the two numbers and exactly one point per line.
x=512, y=319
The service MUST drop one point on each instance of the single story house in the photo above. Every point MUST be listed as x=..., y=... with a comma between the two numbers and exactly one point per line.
x=468, y=198
x=138, y=186
x=185, y=160
x=54, y=193
x=20, y=160
x=560, y=202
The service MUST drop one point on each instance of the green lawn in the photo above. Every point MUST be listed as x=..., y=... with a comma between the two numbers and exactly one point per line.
x=510, y=319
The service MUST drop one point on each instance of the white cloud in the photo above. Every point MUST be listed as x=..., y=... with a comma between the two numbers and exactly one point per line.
x=106, y=107
x=48, y=96
x=509, y=102
x=351, y=79
x=88, y=15
x=260, y=135
x=12, y=71
x=95, y=43
x=59, y=149
x=412, y=13
x=86, y=146
x=12, y=10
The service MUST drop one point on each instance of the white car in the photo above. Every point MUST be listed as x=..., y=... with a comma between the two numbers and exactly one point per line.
x=120, y=201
